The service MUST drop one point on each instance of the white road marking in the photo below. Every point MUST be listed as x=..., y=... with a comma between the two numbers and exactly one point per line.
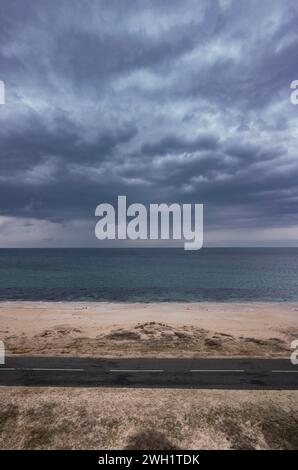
x=217, y=370
x=141, y=370
x=136, y=370
x=41, y=369
x=61, y=370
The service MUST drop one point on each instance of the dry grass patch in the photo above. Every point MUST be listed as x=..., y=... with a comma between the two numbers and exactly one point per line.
x=145, y=340
x=147, y=419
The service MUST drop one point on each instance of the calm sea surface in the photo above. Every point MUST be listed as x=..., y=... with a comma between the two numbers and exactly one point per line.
x=149, y=275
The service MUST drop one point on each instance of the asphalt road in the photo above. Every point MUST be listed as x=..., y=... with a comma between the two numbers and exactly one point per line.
x=222, y=373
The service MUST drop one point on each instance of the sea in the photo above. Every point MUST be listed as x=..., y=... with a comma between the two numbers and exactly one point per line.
x=150, y=275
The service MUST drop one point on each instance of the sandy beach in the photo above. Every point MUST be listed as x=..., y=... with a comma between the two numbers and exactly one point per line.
x=164, y=329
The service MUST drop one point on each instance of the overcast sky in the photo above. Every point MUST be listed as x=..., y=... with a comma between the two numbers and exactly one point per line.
x=159, y=100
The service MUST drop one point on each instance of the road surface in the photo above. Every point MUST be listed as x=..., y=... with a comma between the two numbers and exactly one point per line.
x=221, y=373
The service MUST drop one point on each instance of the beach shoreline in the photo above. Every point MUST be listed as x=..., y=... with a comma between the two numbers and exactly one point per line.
x=139, y=329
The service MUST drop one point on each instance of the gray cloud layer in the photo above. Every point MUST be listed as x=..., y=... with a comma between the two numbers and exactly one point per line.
x=164, y=101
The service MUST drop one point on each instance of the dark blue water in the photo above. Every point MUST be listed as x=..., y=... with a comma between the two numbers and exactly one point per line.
x=149, y=275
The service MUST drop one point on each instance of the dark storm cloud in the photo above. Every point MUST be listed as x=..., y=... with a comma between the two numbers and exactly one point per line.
x=172, y=101
x=175, y=144
x=27, y=145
